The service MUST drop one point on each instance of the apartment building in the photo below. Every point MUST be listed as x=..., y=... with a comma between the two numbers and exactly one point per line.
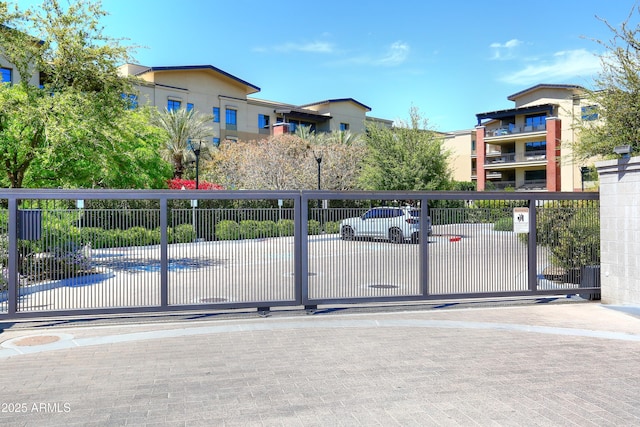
x=528, y=147
x=236, y=114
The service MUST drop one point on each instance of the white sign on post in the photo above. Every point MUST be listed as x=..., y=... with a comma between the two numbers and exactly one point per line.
x=520, y=220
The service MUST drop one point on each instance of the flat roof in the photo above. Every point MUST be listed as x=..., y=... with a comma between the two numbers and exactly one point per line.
x=253, y=88
x=501, y=114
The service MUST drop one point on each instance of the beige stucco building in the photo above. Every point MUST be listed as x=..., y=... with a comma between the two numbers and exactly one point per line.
x=528, y=146
x=236, y=114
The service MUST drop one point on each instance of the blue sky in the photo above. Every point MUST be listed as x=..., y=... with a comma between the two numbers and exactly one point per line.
x=450, y=59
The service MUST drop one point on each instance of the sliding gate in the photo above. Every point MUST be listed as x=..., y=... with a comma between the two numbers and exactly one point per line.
x=87, y=251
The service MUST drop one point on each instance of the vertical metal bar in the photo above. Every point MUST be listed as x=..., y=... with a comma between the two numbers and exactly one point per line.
x=301, y=248
x=13, y=256
x=164, y=254
x=533, y=250
x=423, y=250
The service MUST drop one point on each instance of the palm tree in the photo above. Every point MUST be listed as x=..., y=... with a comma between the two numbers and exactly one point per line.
x=181, y=126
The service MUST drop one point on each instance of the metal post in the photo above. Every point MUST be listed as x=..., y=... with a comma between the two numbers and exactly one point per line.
x=13, y=264
x=319, y=160
x=164, y=253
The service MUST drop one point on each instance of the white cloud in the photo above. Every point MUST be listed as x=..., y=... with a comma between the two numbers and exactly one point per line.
x=313, y=47
x=562, y=66
x=396, y=55
x=504, y=50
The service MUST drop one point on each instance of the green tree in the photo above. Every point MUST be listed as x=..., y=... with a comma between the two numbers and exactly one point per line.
x=68, y=123
x=407, y=157
x=616, y=97
x=180, y=126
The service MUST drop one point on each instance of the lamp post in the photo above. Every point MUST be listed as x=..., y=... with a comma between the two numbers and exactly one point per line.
x=196, y=152
x=318, y=157
x=583, y=172
x=194, y=203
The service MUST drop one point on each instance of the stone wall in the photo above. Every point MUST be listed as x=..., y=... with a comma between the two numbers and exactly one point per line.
x=620, y=230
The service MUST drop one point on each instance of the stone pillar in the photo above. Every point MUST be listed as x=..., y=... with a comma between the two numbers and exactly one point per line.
x=620, y=230
x=554, y=126
x=481, y=155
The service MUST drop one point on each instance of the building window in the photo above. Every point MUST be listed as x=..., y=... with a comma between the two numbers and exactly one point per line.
x=172, y=104
x=216, y=115
x=5, y=75
x=536, y=175
x=535, y=146
x=536, y=122
x=344, y=127
x=263, y=121
x=231, y=119
x=590, y=112
x=189, y=106
x=131, y=100
x=216, y=142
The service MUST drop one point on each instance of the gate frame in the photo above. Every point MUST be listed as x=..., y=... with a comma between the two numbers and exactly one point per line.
x=301, y=201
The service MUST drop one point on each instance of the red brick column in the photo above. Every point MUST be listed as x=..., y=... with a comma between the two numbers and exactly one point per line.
x=480, y=157
x=554, y=125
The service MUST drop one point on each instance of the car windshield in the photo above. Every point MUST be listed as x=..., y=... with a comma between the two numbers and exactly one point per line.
x=415, y=213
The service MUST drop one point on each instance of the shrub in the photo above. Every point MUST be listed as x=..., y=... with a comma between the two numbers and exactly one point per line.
x=181, y=234
x=227, y=230
x=61, y=262
x=314, y=227
x=504, y=224
x=285, y=227
x=332, y=227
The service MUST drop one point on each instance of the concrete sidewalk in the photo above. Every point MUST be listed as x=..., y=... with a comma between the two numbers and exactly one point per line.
x=520, y=364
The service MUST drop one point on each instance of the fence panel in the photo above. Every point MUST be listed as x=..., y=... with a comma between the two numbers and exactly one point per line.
x=473, y=249
x=4, y=256
x=78, y=258
x=83, y=251
x=251, y=258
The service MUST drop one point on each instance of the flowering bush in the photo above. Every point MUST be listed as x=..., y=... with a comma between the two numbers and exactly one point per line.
x=189, y=184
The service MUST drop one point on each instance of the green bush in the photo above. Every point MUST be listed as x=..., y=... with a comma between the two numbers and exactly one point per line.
x=227, y=230
x=314, y=227
x=504, y=224
x=183, y=233
x=332, y=227
x=571, y=232
x=285, y=227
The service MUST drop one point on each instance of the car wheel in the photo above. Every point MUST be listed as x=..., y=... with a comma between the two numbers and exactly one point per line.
x=347, y=233
x=395, y=235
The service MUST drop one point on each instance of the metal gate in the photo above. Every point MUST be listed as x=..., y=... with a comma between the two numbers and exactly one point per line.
x=65, y=252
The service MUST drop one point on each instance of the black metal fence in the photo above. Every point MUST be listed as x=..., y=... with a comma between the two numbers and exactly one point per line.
x=97, y=251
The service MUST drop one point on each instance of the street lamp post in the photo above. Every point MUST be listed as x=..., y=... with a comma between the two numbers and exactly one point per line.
x=194, y=203
x=583, y=171
x=196, y=152
x=318, y=158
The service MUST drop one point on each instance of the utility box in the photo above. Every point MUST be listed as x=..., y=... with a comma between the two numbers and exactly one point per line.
x=29, y=224
x=590, y=278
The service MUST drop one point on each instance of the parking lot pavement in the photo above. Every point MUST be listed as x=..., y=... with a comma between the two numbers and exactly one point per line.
x=503, y=364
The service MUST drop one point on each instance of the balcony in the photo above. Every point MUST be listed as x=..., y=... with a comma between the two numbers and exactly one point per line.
x=501, y=185
x=530, y=156
x=529, y=184
x=514, y=130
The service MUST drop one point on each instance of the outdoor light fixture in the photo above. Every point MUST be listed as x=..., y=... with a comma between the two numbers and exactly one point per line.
x=196, y=152
x=623, y=150
x=584, y=171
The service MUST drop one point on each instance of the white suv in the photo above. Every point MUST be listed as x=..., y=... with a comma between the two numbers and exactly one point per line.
x=396, y=224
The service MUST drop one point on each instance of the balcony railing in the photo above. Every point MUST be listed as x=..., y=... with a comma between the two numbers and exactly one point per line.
x=529, y=184
x=514, y=130
x=533, y=184
x=530, y=156
x=501, y=185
